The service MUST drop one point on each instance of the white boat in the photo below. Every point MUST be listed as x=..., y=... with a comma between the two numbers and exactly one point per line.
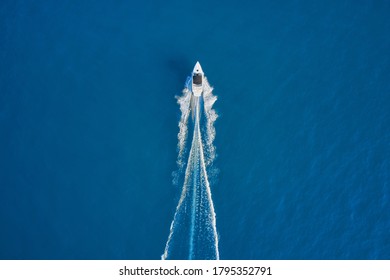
x=197, y=80
x=195, y=84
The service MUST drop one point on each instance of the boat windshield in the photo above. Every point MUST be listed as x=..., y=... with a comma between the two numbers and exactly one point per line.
x=197, y=79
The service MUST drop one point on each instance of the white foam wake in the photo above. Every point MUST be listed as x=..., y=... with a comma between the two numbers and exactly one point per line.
x=184, y=103
x=193, y=232
x=211, y=117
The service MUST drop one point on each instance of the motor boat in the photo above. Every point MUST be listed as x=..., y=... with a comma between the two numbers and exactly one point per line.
x=197, y=80
x=195, y=84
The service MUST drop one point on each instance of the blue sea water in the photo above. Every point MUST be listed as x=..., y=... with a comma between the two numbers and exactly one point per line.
x=88, y=126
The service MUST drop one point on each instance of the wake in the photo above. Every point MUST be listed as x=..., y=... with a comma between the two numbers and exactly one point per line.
x=193, y=231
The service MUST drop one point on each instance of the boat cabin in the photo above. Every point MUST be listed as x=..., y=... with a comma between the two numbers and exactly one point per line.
x=197, y=79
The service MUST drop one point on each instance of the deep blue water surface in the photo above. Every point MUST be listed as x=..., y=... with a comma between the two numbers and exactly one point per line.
x=88, y=126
